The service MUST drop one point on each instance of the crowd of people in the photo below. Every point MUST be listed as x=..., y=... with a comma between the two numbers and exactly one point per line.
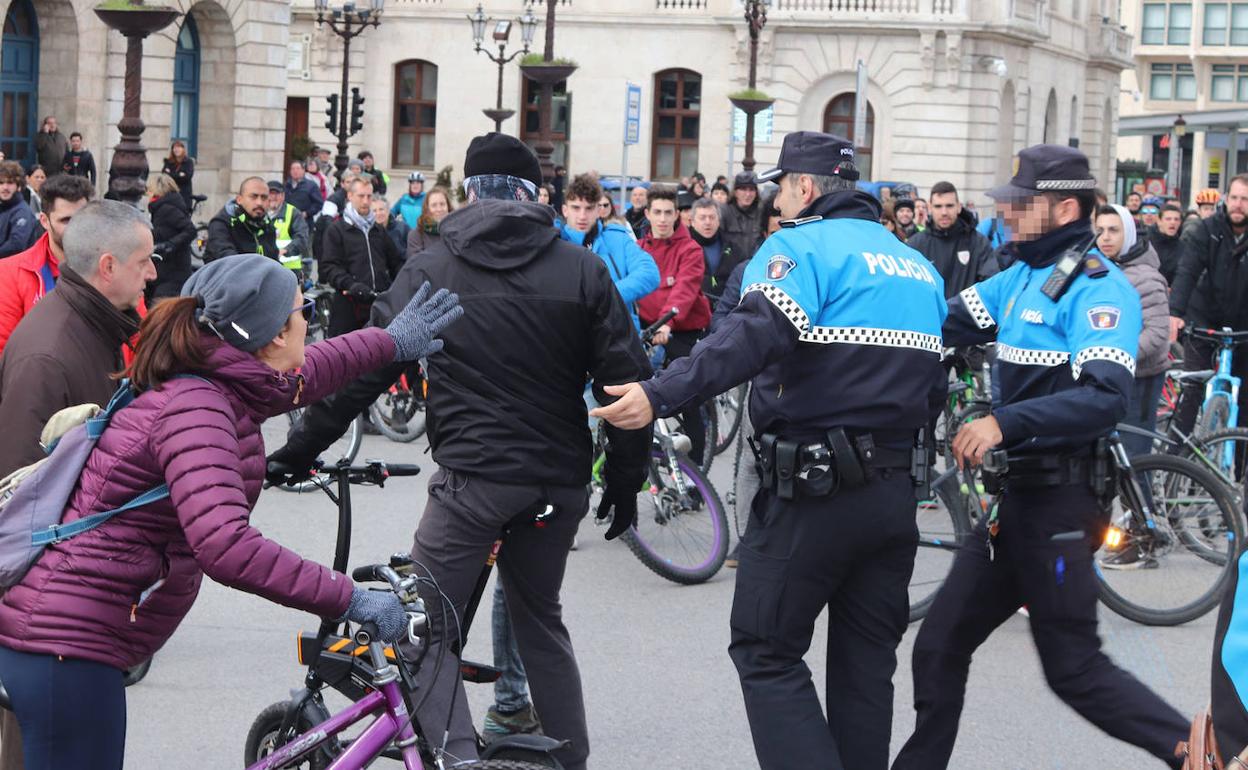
x=790, y=279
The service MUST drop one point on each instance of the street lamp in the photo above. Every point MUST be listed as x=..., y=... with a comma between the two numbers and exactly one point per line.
x=1180, y=130
x=347, y=23
x=756, y=18
x=502, y=31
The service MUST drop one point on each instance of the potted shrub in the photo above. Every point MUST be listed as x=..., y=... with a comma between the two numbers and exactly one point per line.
x=536, y=68
x=750, y=100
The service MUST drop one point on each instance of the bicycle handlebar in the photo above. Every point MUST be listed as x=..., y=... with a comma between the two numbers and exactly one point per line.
x=648, y=333
x=1220, y=334
x=374, y=472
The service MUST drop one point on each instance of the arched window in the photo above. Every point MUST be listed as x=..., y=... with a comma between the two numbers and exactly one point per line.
x=1050, y=119
x=838, y=118
x=677, y=124
x=415, y=113
x=19, y=83
x=186, y=87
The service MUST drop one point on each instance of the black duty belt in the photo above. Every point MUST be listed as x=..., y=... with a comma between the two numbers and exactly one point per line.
x=1035, y=472
x=838, y=461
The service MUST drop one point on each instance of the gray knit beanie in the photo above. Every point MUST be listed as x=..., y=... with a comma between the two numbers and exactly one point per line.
x=245, y=299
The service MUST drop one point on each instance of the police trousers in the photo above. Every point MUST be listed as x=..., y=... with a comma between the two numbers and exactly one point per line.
x=1055, y=579
x=464, y=516
x=852, y=554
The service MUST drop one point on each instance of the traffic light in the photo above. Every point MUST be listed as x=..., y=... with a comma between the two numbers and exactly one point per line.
x=357, y=111
x=332, y=112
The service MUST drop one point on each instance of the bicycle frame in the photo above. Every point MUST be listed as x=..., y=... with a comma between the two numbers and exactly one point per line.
x=1224, y=382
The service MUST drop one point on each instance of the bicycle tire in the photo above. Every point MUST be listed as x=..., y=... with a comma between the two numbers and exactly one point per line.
x=264, y=736
x=944, y=526
x=383, y=411
x=662, y=505
x=135, y=674
x=1217, y=412
x=504, y=764
x=199, y=245
x=1138, y=610
x=729, y=409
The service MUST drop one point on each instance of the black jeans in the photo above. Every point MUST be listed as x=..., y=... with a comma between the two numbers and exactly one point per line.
x=1055, y=578
x=851, y=554
x=72, y=712
x=679, y=346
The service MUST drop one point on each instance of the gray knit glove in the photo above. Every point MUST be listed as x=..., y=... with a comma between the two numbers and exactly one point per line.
x=415, y=327
x=382, y=608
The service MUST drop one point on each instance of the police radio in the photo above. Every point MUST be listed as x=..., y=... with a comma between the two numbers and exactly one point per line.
x=1068, y=267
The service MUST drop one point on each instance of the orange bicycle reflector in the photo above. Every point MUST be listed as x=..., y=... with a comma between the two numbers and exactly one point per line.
x=1113, y=537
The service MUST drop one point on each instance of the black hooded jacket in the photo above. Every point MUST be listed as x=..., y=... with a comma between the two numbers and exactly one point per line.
x=1209, y=287
x=173, y=232
x=541, y=317
x=1170, y=251
x=963, y=256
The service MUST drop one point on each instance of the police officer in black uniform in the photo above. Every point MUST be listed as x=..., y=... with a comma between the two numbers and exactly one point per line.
x=839, y=325
x=1066, y=322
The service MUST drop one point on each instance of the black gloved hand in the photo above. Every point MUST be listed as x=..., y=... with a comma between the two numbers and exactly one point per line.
x=286, y=466
x=360, y=291
x=623, y=499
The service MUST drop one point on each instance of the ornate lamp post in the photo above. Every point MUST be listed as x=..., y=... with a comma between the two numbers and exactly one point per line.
x=750, y=102
x=128, y=172
x=502, y=30
x=546, y=74
x=347, y=23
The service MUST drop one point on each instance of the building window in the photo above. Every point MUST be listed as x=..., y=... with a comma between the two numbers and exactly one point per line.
x=1166, y=24
x=1172, y=82
x=1230, y=83
x=561, y=118
x=677, y=124
x=838, y=118
x=186, y=87
x=415, y=113
x=1226, y=23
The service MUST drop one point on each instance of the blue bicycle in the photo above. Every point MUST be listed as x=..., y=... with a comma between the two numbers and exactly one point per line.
x=1220, y=410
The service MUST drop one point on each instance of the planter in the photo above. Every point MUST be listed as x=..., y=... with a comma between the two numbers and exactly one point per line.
x=131, y=19
x=498, y=116
x=751, y=106
x=547, y=74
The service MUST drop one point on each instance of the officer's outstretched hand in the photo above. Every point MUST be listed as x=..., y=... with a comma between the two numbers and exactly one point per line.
x=975, y=439
x=631, y=411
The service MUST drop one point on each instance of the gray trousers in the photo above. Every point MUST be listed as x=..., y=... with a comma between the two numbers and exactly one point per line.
x=463, y=518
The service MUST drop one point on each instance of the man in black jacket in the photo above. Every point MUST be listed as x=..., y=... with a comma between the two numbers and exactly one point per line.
x=742, y=220
x=508, y=426
x=242, y=226
x=78, y=160
x=357, y=259
x=960, y=253
x=1209, y=291
x=721, y=260
x=1167, y=240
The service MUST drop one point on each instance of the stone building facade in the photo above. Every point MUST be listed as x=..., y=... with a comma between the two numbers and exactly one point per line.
x=222, y=63
x=955, y=87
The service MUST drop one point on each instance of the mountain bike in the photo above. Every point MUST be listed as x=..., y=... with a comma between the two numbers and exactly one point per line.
x=399, y=413
x=1221, y=406
x=379, y=679
x=729, y=408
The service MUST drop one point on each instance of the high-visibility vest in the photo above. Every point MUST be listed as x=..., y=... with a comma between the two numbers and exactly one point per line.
x=282, y=226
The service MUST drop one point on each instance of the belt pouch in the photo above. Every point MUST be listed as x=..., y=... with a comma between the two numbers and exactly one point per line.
x=848, y=466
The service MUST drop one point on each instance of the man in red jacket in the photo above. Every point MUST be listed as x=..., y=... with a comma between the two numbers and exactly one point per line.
x=681, y=269
x=26, y=277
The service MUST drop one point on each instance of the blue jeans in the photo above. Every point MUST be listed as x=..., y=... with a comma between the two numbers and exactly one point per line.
x=511, y=691
x=1142, y=413
x=72, y=712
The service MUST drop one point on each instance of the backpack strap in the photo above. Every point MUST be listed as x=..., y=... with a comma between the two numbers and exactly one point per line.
x=60, y=532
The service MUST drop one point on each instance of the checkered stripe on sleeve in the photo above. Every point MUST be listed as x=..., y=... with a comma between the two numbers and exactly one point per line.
x=783, y=302
x=1030, y=357
x=1102, y=353
x=859, y=335
x=975, y=306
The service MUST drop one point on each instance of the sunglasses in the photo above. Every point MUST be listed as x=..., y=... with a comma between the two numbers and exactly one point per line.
x=307, y=308
x=1149, y=210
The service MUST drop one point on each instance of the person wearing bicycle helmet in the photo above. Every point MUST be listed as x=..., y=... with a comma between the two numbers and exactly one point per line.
x=210, y=366
x=1067, y=325
x=1207, y=202
x=1149, y=209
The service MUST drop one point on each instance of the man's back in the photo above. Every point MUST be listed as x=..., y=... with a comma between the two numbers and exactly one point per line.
x=540, y=314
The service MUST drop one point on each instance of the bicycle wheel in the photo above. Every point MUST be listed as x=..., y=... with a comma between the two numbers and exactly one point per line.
x=266, y=736
x=1225, y=454
x=275, y=431
x=1216, y=414
x=1186, y=559
x=681, y=537
x=399, y=414
x=729, y=408
x=943, y=527
x=199, y=245
x=710, y=429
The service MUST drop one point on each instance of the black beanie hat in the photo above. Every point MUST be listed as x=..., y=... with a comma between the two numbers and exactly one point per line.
x=497, y=153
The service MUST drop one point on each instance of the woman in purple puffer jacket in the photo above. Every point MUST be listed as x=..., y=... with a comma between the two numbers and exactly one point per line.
x=109, y=598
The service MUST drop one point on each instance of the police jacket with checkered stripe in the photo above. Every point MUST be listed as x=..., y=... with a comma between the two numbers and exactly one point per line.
x=838, y=325
x=1066, y=368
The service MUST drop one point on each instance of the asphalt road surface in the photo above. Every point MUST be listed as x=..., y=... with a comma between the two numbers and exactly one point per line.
x=660, y=690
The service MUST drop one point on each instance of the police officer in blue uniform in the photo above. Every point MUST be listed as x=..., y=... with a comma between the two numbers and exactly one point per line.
x=1066, y=322
x=839, y=325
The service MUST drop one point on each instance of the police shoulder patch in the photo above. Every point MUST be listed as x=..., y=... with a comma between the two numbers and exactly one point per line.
x=1094, y=267
x=778, y=267
x=1104, y=317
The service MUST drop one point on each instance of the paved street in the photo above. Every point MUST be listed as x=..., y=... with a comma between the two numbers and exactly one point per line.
x=660, y=689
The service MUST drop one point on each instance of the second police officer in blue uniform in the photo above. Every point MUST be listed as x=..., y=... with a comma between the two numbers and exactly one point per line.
x=839, y=325
x=1066, y=322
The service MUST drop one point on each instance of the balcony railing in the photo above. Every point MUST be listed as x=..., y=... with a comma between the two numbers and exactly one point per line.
x=888, y=7
x=1109, y=42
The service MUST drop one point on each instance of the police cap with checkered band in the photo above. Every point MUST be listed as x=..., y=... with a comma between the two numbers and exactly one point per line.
x=812, y=152
x=1045, y=168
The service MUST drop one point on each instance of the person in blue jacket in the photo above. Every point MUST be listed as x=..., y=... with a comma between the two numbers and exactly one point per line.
x=839, y=327
x=633, y=270
x=1067, y=323
x=413, y=201
x=18, y=226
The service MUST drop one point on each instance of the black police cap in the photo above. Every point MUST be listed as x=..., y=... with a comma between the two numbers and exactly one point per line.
x=812, y=152
x=1046, y=168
